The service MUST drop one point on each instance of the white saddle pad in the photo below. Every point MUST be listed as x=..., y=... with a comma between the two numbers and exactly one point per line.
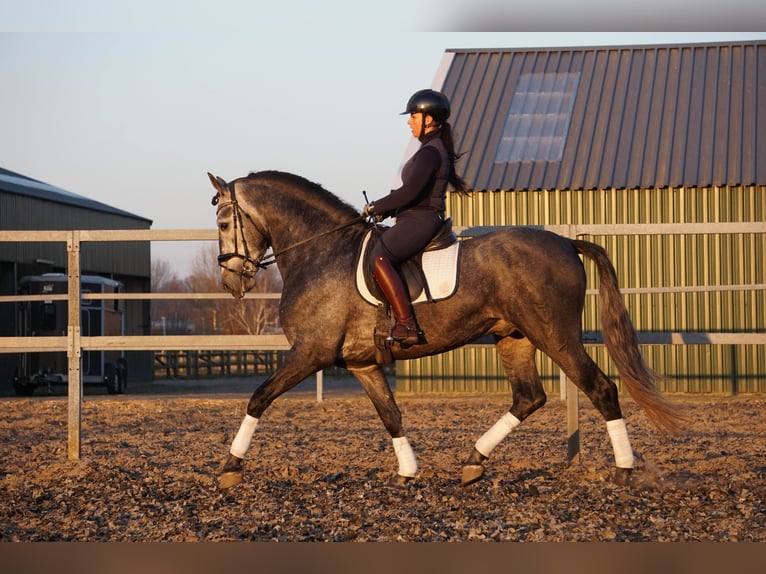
x=439, y=267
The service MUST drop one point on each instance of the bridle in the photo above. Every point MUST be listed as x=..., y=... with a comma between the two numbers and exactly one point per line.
x=250, y=264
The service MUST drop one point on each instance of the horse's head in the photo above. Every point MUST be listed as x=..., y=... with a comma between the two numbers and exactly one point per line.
x=241, y=245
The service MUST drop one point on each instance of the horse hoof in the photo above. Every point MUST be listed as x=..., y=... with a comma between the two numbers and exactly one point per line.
x=471, y=473
x=623, y=476
x=229, y=479
x=398, y=481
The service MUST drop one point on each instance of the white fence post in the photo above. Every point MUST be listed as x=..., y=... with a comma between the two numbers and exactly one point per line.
x=320, y=386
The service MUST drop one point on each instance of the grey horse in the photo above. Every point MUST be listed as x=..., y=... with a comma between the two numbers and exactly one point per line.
x=523, y=287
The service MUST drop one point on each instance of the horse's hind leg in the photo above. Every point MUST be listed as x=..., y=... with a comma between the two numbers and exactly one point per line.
x=518, y=358
x=602, y=392
x=374, y=383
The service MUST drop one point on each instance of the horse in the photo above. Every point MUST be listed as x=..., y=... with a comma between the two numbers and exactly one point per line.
x=523, y=287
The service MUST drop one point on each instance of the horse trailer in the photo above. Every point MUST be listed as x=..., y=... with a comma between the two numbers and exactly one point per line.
x=49, y=317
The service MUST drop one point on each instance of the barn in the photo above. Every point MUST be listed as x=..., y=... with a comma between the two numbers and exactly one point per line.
x=29, y=204
x=622, y=135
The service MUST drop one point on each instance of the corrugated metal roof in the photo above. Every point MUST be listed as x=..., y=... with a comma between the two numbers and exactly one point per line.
x=643, y=116
x=22, y=185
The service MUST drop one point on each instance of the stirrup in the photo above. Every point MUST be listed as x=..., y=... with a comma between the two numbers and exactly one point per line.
x=412, y=335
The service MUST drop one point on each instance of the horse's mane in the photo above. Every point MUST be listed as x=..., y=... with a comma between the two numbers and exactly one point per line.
x=313, y=192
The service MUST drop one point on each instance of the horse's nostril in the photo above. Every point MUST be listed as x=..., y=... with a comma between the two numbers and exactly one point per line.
x=236, y=293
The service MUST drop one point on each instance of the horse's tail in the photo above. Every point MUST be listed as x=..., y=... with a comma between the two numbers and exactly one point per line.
x=621, y=342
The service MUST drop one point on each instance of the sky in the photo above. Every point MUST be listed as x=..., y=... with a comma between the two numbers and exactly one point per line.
x=131, y=103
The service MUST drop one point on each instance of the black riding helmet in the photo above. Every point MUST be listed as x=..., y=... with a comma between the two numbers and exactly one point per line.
x=430, y=102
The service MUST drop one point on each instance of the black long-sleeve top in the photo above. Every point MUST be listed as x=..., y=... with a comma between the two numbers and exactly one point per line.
x=424, y=179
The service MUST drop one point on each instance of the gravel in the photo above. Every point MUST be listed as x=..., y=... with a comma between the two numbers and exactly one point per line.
x=318, y=471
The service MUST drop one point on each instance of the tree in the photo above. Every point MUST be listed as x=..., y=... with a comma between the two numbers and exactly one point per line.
x=246, y=316
x=169, y=316
x=162, y=275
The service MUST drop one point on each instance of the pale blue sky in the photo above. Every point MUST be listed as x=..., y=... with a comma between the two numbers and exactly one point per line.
x=131, y=103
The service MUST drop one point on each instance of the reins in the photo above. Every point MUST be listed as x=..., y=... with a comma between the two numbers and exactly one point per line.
x=263, y=264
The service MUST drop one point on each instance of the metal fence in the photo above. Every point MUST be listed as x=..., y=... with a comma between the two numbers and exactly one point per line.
x=200, y=364
x=74, y=343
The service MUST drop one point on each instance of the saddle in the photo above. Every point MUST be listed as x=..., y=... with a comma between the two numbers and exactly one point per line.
x=430, y=275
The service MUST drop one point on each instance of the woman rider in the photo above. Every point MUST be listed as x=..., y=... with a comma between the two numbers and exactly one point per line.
x=418, y=205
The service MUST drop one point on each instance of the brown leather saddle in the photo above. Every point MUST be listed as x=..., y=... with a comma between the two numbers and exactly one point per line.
x=411, y=270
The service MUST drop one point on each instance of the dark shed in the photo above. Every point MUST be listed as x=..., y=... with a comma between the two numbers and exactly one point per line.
x=30, y=204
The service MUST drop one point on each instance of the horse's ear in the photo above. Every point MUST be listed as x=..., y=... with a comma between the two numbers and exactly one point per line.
x=217, y=182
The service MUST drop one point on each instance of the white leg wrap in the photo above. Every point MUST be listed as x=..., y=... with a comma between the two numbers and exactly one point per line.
x=501, y=429
x=244, y=435
x=408, y=466
x=623, y=452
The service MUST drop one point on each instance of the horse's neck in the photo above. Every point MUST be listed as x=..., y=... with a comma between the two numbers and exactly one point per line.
x=293, y=223
x=297, y=224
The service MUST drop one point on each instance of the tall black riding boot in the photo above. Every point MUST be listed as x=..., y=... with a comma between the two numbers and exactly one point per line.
x=386, y=276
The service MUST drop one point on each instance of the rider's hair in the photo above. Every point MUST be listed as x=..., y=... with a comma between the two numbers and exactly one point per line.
x=457, y=182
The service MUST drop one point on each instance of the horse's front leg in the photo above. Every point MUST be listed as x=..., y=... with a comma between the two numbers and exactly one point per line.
x=374, y=383
x=293, y=371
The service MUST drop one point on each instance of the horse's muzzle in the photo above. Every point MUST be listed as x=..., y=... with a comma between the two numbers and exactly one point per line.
x=237, y=293
x=236, y=283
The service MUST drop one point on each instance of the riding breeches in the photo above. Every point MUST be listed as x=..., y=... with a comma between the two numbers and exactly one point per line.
x=411, y=233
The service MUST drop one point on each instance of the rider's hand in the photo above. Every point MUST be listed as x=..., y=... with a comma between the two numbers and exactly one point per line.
x=369, y=210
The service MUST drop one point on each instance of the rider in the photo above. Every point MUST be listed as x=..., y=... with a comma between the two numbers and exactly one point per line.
x=418, y=205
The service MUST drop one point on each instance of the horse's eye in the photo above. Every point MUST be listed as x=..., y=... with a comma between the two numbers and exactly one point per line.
x=223, y=226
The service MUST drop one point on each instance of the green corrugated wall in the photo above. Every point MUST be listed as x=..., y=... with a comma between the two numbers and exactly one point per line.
x=641, y=261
